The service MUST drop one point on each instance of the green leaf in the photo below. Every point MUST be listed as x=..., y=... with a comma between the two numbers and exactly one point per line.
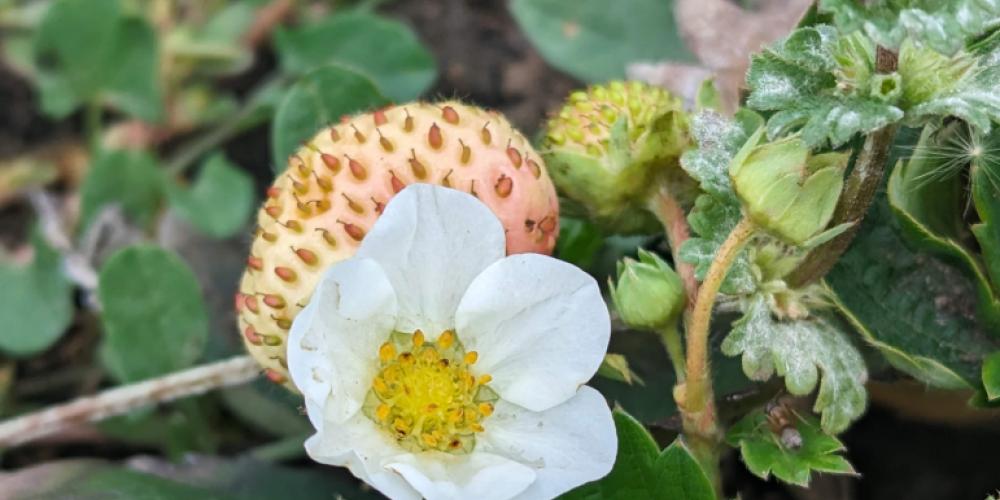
x=579, y=242
x=269, y=409
x=595, y=39
x=717, y=212
x=799, y=351
x=88, y=49
x=911, y=306
x=131, y=179
x=712, y=221
x=384, y=50
x=926, y=195
x=943, y=25
x=221, y=200
x=818, y=83
x=133, y=86
x=36, y=302
x=642, y=471
x=991, y=376
x=320, y=98
x=154, y=318
x=764, y=453
x=986, y=197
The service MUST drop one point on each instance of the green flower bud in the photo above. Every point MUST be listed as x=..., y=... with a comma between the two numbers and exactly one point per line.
x=784, y=189
x=606, y=146
x=649, y=294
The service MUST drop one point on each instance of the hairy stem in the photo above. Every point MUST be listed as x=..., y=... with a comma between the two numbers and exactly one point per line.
x=695, y=397
x=664, y=205
x=671, y=339
x=123, y=399
x=248, y=116
x=858, y=194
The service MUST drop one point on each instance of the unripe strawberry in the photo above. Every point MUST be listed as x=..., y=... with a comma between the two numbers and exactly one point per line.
x=335, y=187
x=607, y=146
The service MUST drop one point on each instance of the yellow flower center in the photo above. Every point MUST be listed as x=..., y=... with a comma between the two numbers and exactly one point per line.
x=426, y=395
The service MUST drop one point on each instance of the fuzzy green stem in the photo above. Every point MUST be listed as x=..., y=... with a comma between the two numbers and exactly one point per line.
x=857, y=196
x=248, y=116
x=671, y=338
x=695, y=397
x=665, y=207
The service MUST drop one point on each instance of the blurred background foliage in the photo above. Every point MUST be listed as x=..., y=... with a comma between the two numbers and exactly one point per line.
x=137, y=137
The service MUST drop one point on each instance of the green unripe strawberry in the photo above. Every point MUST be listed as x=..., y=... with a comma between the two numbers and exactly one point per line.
x=606, y=147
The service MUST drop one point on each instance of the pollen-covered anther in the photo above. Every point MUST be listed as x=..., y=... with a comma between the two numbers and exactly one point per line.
x=425, y=395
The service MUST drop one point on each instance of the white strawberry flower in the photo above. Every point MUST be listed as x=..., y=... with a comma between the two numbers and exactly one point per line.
x=434, y=366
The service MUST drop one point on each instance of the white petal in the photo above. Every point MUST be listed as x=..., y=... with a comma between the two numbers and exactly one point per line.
x=539, y=325
x=432, y=241
x=363, y=448
x=483, y=476
x=568, y=445
x=333, y=344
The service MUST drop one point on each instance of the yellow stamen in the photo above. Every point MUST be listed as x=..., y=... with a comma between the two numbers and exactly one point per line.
x=471, y=357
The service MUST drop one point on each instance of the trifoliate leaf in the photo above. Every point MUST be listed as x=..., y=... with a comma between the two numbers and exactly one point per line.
x=911, y=306
x=642, y=471
x=36, y=302
x=131, y=179
x=820, y=83
x=595, y=39
x=401, y=67
x=154, y=318
x=764, y=453
x=220, y=201
x=89, y=49
x=320, y=98
x=799, y=351
x=943, y=25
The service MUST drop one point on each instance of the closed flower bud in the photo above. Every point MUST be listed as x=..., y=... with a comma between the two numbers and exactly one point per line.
x=649, y=294
x=784, y=189
x=608, y=144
